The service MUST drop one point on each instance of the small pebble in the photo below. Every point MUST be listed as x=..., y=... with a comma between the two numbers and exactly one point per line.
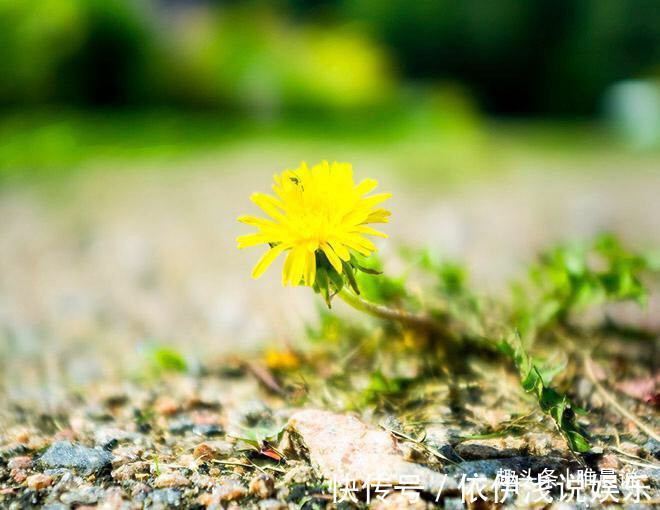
x=18, y=475
x=82, y=496
x=609, y=461
x=206, y=499
x=39, y=481
x=112, y=499
x=208, y=430
x=125, y=454
x=56, y=506
x=653, y=447
x=166, y=406
x=203, y=481
x=180, y=426
x=128, y=471
x=262, y=486
x=272, y=504
x=165, y=498
x=230, y=490
x=22, y=462
x=212, y=450
x=81, y=458
x=173, y=479
x=140, y=490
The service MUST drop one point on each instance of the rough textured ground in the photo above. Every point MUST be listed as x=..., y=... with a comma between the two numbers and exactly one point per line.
x=213, y=440
x=96, y=269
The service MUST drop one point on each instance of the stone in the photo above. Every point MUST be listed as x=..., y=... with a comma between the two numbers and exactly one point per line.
x=164, y=498
x=262, y=486
x=107, y=436
x=22, y=462
x=229, y=489
x=56, y=506
x=298, y=473
x=652, y=447
x=128, y=471
x=202, y=481
x=112, y=500
x=212, y=450
x=83, y=496
x=187, y=460
x=535, y=444
x=208, y=430
x=66, y=482
x=84, y=460
x=172, y=479
x=491, y=448
x=140, y=491
x=609, y=461
x=166, y=406
x=18, y=475
x=39, y=481
x=272, y=504
x=341, y=446
x=180, y=427
x=126, y=454
x=207, y=499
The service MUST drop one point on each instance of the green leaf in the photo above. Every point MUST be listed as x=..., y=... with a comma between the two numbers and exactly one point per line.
x=322, y=284
x=577, y=442
x=368, y=270
x=573, y=277
x=549, y=400
x=165, y=359
x=257, y=437
x=350, y=276
x=335, y=279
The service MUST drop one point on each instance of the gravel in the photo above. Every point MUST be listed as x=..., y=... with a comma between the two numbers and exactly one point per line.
x=84, y=460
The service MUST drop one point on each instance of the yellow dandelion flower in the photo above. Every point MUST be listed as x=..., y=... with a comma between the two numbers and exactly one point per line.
x=318, y=214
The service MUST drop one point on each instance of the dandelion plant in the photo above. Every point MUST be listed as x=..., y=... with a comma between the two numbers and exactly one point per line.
x=320, y=219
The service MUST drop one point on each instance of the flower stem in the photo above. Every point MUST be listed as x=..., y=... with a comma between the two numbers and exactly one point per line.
x=394, y=314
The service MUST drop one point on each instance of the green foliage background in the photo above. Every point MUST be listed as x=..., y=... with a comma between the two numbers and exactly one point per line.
x=513, y=56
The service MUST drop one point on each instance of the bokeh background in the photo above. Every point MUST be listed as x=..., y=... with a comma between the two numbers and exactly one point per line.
x=132, y=132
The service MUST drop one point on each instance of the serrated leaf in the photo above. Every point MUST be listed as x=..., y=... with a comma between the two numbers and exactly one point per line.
x=549, y=400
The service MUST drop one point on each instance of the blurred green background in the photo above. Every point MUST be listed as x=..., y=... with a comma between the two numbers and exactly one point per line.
x=514, y=57
x=86, y=79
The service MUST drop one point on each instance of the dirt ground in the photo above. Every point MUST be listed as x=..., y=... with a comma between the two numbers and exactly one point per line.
x=98, y=266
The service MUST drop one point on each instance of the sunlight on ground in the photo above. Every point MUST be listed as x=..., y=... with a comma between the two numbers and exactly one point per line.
x=125, y=251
